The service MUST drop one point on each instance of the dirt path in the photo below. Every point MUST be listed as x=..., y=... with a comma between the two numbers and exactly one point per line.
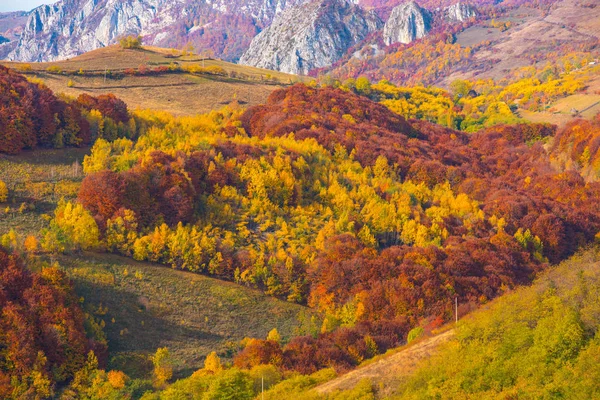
x=390, y=369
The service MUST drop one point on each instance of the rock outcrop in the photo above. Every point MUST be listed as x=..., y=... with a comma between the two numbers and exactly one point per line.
x=310, y=36
x=407, y=23
x=72, y=27
x=460, y=12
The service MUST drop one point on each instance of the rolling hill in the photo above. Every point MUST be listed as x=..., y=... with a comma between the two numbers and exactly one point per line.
x=143, y=306
x=198, y=85
x=497, y=350
x=194, y=205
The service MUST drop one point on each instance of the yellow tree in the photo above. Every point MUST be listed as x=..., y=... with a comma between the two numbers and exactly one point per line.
x=3, y=192
x=73, y=228
x=31, y=244
x=274, y=335
x=163, y=366
x=213, y=363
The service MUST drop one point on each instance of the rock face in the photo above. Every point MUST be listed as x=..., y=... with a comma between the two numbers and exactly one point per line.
x=262, y=10
x=460, y=12
x=11, y=27
x=407, y=22
x=72, y=27
x=311, y=36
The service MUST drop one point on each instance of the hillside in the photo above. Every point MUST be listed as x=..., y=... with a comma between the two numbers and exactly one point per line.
x=568, y=25
x=198, y=86
x=539, y=341
x=534, y=341
x=313, y=230
x=388, y=370
x=492, y=45
x=425, y=212
x=145, y=306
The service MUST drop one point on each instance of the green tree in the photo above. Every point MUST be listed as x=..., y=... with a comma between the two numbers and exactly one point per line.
x=460, y=88
x=163, y=366
x=232, y=384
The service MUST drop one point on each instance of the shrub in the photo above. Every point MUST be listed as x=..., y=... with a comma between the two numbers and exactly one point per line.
x=415, y=334
x=53, y=69
x=3, y=192
x=131, y=42
x=25, y=68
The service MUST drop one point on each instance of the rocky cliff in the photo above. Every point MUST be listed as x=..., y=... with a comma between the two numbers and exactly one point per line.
x=72, y=27
x=460, y=12
x=11, y=27
x=311, y=36
x=407, y=22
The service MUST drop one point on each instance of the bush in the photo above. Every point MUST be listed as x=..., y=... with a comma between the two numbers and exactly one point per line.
x=231, y=384
x=131, y=42
x=415, y=334
x=3, y=192
x=25, y=68
x=53, y=69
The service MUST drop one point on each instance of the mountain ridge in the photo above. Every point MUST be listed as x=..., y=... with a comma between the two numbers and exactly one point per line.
x=71, y=27
x=298, y=45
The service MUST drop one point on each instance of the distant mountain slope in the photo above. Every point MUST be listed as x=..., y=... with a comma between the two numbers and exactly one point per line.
x=72, y=27
x=311, y=36
x=495, y=44
x=226, y=27
x=11, y=26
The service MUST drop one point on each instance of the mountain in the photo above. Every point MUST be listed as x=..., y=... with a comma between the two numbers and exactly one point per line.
x=460, y=12
x=11, y=26
x=72, y=27
x=310, y=36
x=407, y=23
x=224, y=27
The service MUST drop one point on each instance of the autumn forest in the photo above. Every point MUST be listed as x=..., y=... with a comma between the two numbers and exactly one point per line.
x=372, y=213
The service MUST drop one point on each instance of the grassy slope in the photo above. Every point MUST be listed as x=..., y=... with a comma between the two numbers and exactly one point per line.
x=153, y=306
x=37, y=179
x=451, y=358
x=569, y=21
x=180, y=94
x=386, y=371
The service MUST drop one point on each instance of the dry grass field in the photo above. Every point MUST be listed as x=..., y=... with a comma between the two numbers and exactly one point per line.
x=147, y=306
x=102, y=71
x=387, y=371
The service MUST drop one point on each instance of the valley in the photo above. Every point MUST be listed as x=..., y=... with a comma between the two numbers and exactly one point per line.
x=294, y=199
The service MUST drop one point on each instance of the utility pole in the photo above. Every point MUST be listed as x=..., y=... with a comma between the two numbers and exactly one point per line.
x=456, y=308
